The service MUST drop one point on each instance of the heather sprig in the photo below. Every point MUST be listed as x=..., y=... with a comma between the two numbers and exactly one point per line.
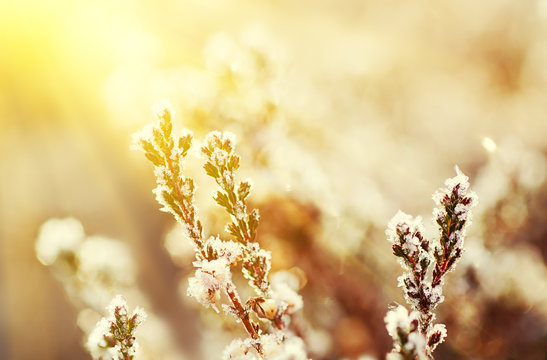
x=418, y=258
x=114, y=336
x=215, y=258
x=222, y=164
x=173, y=191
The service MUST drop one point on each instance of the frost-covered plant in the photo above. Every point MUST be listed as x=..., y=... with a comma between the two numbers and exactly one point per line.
x=267, y=313
x=114, y=336
x=425, y=264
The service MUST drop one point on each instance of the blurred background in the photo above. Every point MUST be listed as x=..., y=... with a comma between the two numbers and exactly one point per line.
x=345, y=112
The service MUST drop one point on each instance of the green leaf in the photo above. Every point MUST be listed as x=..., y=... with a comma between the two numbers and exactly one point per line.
x=254, y=218
x=211, y=170
x=234, y=231
x=243, y=190
x=154, y=158
x=233, y=163
x=223, y=201
x=185, y=143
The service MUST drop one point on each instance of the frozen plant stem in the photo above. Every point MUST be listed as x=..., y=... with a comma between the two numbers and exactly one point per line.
x=414, y=335
x=215, y=258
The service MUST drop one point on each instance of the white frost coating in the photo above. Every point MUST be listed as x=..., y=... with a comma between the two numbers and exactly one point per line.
x=240, y=350
x=214, y=273
x=465, y=198
x=240, y=210
x=118, y=302
x=96, y=343
x=228, y=250
x=228, y=177
x=219, y=156
x=399, y=318
x=216, y=136
x=140, y=315
x=460, y=179
x=403, y=222
x=463, y=190
x=441, y=328
x=186, y=190
x=416, y=342
x=58, y=236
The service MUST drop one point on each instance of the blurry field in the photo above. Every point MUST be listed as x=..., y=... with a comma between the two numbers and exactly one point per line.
x=345, y=112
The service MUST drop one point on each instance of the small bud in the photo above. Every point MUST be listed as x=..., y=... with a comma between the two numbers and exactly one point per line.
x=264, y=308
x=270, y=308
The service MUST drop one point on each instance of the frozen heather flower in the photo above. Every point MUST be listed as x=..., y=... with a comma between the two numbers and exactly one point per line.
x=58, y=236
x=210, y=278
x=228, y=250
x=114, y=337
x=213, y=273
